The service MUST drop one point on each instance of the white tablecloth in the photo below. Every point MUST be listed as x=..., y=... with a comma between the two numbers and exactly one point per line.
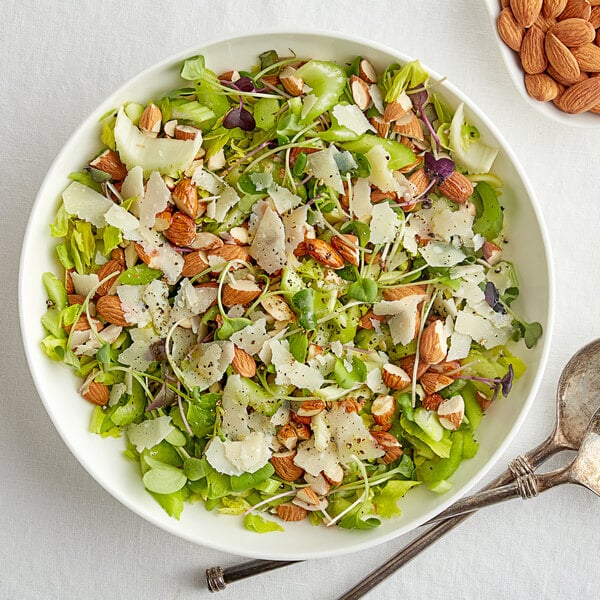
x=61, y=535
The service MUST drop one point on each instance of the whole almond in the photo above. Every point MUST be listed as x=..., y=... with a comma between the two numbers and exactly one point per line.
x=561, y=81
x=381, y=125
x=243, y=363
x=182, y=230
x=408, y=364
x=325, y=254
x=580, y=97
x=75, y=299
x=526, y=11
x=230, y=252
x=96, y=393
x=588, y=57
x=142, y=254
x=290, y=512
x=185, y=196
x=193, y=263
x=347, y=246
x=594, y=20
x=395, y=377
x=457, y=188
x=283, y=463
x=553, y=8
x=382, y=409
x=545, y=23
x=574, y=32
x=533, y=55
x=561, y=58
x=83, y=324
x=541, y=87
x=110, y=309
x=509, y=30
x=579, y=9
x=367, y=71
x=112, y=266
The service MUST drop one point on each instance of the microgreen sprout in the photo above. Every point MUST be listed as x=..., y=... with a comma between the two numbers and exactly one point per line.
x=498, y=384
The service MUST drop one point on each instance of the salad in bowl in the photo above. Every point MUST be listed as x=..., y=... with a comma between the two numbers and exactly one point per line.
x=283, y=288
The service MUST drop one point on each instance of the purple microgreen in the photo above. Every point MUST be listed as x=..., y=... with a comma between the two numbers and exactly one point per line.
x=492, y=297
x=239, y=117
x=438, y=169
x=419, y=98
x=498, y=384
x=244, y=84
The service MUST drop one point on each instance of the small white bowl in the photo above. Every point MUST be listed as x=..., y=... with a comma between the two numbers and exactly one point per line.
x=515, y=70
x=57, y=386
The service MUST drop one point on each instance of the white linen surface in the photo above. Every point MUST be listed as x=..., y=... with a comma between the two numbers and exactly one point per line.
x=61, y=535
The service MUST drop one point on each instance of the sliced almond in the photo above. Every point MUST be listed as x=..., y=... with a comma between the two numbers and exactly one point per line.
x=420, y=182
x=318, y=483
x=432, y=401
x=242, y=292
x=239, y=235
x=185, y=196
x=360, y=92
x=367, y=71
x=292, y=84
x=83, y=324
x=194, y=263
x=230, y=252
x=395, y=377
x=433, y=346
x=151, y=120
x=412, y=129
x=75, y=299
x=309, y=499
x=434, y=382
x=287, y=436
x=278, y=308
x=390, y=444
x=451, y=412
x=186, y=132
x=381, y=125
x=382, y=409
x=408, y=364
x=162, y=220
x=370, y=319
x=491, y=253
x=393, y=111
x=310, y=408
x=110, y=162
x=334, y=474
x=404, y=291
x=119, y=255
x=205, y=240
x=302, y=430
x=96, y=393
x=347, y=246
x=243, y=363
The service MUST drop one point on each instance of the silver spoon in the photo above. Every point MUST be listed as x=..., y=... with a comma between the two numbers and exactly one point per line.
x=578, y=397
x=584, y=470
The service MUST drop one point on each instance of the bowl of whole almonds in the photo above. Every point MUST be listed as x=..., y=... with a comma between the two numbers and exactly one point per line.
x=551, y=50
x=292, y=284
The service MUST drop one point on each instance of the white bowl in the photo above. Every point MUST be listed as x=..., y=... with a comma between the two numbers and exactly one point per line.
x=102, y=458
x=515, y=70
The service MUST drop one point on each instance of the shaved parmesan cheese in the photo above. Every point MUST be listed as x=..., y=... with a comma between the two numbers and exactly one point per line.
x=376, y=97
x=384, y=224
x=252, y=338
x=156, y=297
x=207, y=363
x=293, y=225
x=86, y=203
x=132, y=302
x=460, y=345
x=165, y=155
x=191, y=300
x=360, y=201
x=137, y=356
x=322, y=165
x=116, y=391
x=320, y=430
x=261, y=181
x=439, y=254
x=292, y=372
x=235, y=415
x=148, y=434
x=133, y=184
x=313, y=460
x=447, y=223
x=162, y=256
x=351, y=117
x=268, y=246
x=219, y=208
x=374, y=381
x=283, y=199
x=239, y=457
x=480, y=329
x=118, y=217
x=352, y=438
x=206, y=181
x=154, y=201
x=84, y=284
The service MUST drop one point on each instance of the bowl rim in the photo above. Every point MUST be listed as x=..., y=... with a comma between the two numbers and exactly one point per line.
x=361, y=542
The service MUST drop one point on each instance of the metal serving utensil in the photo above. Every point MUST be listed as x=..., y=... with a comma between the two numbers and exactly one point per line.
x=584, y=470
x=578, y=397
